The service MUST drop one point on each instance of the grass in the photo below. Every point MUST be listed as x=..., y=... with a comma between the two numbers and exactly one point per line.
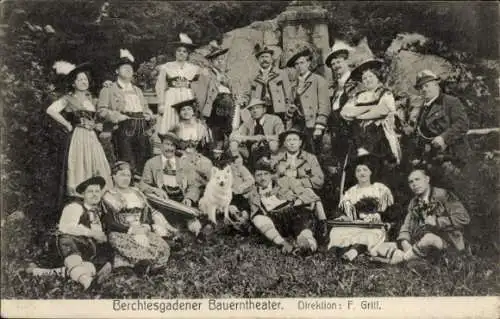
x=233, y=266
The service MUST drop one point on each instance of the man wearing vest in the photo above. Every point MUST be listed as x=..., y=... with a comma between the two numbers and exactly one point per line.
x=330, y=115
x=123, y=103
x=270, y=85
x=310, y=94
x=80, y=236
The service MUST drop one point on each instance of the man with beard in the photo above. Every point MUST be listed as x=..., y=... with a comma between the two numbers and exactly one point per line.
x=270, y=84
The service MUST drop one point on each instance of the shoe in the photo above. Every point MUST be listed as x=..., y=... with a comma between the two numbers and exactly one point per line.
x=103, y=273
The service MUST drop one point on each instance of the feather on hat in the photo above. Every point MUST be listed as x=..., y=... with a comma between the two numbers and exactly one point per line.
x=184, y=41
x=125, y=58
x=215, y=50
x=63, y=67
x=259, y=50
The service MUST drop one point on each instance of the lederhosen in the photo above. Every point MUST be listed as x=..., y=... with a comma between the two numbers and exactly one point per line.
x=131, y=140
x=221, y=118
x=84, y=246
x=288, y=219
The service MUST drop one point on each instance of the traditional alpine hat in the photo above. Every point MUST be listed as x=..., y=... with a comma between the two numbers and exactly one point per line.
x=170, y=136
x=263, y=164
x=180, y=105
x=69, y=70
x=125, y=58
x=119, y=166
x=254, y=102
x=184, y=41
x=425, y=76
x=357, y=73
x=215, y=50
x=94, y=180
x=292, y=130
x=339, y=48
x=303, y=52
x=259, y=50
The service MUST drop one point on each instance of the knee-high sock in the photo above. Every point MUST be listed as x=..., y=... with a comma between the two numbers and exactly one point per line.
x=79, y=271
x=306, y=240
x=320, y=210
x=266, y=226
x=194, y=226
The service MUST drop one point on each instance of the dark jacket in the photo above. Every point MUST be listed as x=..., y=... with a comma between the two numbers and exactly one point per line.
x=446, y=118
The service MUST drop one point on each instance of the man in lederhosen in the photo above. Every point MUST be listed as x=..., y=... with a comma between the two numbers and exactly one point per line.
x=80, y=237
x=270, y=84
x=329, y=117
x=310, y=94
x=123, y=103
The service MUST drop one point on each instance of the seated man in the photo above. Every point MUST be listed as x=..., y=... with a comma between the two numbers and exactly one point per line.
x=434, y=222
x=170, y=177
x=300, y=172
x=80, y=236
x=258, y=136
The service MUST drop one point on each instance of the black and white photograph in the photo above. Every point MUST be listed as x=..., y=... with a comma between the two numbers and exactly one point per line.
x=244, y=153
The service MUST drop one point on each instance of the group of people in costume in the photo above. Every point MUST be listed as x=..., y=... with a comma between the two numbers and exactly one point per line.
x=271, y=138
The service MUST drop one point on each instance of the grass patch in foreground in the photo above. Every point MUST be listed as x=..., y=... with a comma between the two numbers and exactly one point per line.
x=246, y=267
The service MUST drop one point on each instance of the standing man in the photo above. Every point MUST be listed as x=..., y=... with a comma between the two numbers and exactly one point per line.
x=123, y=103
x=440, y=130
x=330, y=116
x=270, y=84
x=310, y=93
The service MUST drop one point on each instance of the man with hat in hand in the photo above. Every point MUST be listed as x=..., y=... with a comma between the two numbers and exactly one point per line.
x=329, y=116
x=442, y=124
x=259, y=134
x=80, y=236
x=123, y=104
x=270, y=85
x=310, y=95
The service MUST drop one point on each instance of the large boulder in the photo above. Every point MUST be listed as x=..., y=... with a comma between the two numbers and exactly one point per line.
x=406, y=64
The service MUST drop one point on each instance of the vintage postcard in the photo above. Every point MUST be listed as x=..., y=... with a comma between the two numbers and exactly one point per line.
x=250, y=159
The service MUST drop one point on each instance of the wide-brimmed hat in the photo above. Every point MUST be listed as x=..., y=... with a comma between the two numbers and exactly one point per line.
x=338, y=48
x=180, y=105
x=373, y=64
x=254, y=102
x=125, y=58
x=68, y=70
x=215, y=50
x=302, y=52
x=425, y=76
x=170, y=136
x=263, y=164
x=94, y=180
x=259, y=50
x=369, y=160
x=184, y=41
x=292, y=130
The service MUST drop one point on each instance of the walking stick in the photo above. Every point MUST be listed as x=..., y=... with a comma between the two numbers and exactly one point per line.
x=342, y=180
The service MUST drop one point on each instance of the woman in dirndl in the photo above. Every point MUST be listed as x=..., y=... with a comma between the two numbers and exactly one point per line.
x=85, y=155
x=174, y=84
x=367, y=203
x=373, y=110
x=134, y=228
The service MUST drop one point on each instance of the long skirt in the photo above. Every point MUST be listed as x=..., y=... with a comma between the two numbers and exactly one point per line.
x=170, y=118
x=126, y=247
x=86, y=158
x=343, y=237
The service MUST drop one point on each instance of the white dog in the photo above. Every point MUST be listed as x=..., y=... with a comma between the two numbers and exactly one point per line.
x=218, y=194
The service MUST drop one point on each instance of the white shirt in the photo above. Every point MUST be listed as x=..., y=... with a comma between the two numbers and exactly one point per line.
x=220, y=87
x=69, y=223
x=125, y=86
x=292, y=158
x=431, y=101
x=169, y=180
x=340, y=89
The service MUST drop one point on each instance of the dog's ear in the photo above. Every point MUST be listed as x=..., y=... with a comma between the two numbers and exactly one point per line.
x=227, y=169
x=214, y=171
